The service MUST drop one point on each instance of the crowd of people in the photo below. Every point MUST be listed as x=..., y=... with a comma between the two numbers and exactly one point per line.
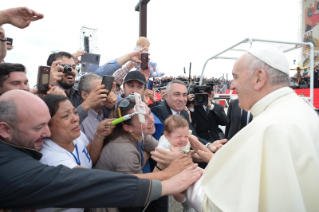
x=82, y=147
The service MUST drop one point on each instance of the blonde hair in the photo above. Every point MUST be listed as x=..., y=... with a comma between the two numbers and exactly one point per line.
x=143, y=40
x=173, y=122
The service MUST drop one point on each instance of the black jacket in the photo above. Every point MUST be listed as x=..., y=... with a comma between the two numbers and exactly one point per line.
x=207, y=126
x=25, y=183
x=234, y=116
x=163, y=111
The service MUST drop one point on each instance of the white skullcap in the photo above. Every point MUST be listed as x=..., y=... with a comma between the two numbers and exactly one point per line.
x=272, y=56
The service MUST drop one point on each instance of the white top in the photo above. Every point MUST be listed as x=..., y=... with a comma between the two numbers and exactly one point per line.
x=270, y=165
x=55, y=155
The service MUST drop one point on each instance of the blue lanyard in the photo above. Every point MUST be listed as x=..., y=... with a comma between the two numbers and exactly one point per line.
x=77, y=159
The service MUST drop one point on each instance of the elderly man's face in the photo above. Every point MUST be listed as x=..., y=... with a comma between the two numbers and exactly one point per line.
x=177, y=97
x=33, y=127
x=242, y=83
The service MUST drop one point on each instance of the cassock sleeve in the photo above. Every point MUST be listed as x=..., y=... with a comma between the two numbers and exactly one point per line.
x=195, y=195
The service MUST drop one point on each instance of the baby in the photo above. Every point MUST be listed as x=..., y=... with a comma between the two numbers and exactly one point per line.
x=143, y=42
x=176, y=132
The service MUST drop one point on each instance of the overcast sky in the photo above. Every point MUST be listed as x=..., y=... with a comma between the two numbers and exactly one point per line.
x=180, y=31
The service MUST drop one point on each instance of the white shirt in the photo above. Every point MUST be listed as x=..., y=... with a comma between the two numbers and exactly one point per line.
x=54, y=155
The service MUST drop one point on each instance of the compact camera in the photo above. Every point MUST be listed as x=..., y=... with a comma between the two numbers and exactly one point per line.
x=67, y=69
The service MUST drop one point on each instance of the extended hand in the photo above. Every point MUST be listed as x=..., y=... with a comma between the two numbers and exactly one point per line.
x=76, y=56
x=202, y=151
x=178, y=165
x=217, y=145
x=180, y=182
x=163, y=156
x=20, y=17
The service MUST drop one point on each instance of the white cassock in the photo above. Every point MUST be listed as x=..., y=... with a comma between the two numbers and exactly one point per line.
x=270, y=165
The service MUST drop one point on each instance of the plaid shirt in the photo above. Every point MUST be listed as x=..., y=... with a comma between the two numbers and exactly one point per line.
x=120, y=73
x=90, y=123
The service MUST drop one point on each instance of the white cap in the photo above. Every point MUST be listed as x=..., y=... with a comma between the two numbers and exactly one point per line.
x=272, y=56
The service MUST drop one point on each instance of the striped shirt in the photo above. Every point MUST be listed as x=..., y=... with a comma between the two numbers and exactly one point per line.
x=90, y=123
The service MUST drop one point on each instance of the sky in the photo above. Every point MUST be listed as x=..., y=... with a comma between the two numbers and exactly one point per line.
x=180, y=31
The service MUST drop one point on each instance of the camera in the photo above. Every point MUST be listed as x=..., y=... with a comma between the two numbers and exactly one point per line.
x=201, y=98
x=67, y=69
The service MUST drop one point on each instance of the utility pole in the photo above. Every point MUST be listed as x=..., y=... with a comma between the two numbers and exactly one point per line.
x=141, y=7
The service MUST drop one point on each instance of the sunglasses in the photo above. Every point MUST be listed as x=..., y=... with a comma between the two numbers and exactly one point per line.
x=125, y=103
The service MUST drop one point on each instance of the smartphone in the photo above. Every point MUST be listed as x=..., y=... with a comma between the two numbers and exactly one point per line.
x=43, y=79
x=139, y=109
x=10, y=40
x=144, y=59
x=107, y=81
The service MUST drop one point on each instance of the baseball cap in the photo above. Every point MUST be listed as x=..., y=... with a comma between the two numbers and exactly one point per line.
x=135, y=75
x=272, y=56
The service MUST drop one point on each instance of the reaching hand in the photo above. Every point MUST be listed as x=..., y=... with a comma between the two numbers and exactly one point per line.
x=20, y=17
x=178, y=165
x=165, y=157
x=76, y=56
x=217, y=145
x=136, y=56
x=202, y=151
x=180, y=182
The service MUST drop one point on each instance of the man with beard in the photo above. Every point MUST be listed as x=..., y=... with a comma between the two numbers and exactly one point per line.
x=60, y=76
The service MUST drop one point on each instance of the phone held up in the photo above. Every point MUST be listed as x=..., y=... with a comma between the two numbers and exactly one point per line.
x=43, y=79
x=107, y=81
x=144, y=59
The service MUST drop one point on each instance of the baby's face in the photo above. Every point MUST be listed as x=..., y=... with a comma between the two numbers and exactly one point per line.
x=179, y=137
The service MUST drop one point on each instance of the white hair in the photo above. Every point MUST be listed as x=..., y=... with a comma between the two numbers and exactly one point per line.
x=168, y=86
x=276, y=77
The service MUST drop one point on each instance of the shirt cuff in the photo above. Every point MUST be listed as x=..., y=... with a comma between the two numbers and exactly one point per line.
x=212, y=107
x=191, y=109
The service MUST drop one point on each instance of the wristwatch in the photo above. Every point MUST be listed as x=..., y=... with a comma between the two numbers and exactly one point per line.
x=3, y=40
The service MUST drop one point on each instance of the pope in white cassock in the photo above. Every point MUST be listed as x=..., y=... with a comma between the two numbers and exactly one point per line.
x=272, y=164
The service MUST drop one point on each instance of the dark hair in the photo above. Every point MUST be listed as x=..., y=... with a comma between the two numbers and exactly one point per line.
x=7, y=68
x=53, y=102
x=54, y=56
x=118, y=130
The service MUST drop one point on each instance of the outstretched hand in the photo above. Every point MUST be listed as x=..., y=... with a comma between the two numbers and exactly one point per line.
x=180, y=182
x=202, y=151
x=20, y=17
x=165, y=157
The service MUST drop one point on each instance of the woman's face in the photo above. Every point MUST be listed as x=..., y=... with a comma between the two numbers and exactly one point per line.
x=148, y=127
x=64, y=125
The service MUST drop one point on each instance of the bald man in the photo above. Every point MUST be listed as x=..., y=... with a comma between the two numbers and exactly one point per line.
x=27, y=184
x=273, y=163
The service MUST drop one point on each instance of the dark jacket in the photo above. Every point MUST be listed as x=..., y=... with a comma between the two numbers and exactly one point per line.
x=163, y=111
x=207, y=125
x=234, y=116
x=25, y=183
